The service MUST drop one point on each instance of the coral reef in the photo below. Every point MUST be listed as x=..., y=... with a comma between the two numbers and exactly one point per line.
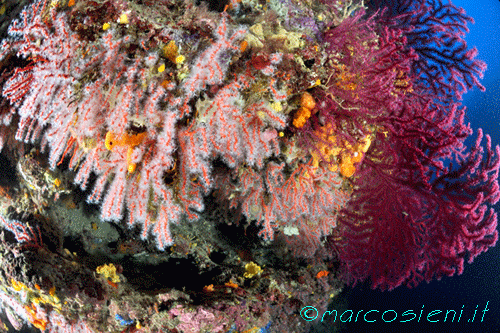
x=215, y=166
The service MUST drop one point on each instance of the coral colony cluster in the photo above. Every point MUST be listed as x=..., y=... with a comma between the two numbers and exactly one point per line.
x=267, y=150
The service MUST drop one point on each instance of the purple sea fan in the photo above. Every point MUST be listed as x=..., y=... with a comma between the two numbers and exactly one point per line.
x=421, y=203
x=435, y=32
x=397, y=232
x=368, y=79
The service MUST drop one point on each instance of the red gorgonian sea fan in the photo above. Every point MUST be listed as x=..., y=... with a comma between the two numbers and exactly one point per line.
x=160, y=130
